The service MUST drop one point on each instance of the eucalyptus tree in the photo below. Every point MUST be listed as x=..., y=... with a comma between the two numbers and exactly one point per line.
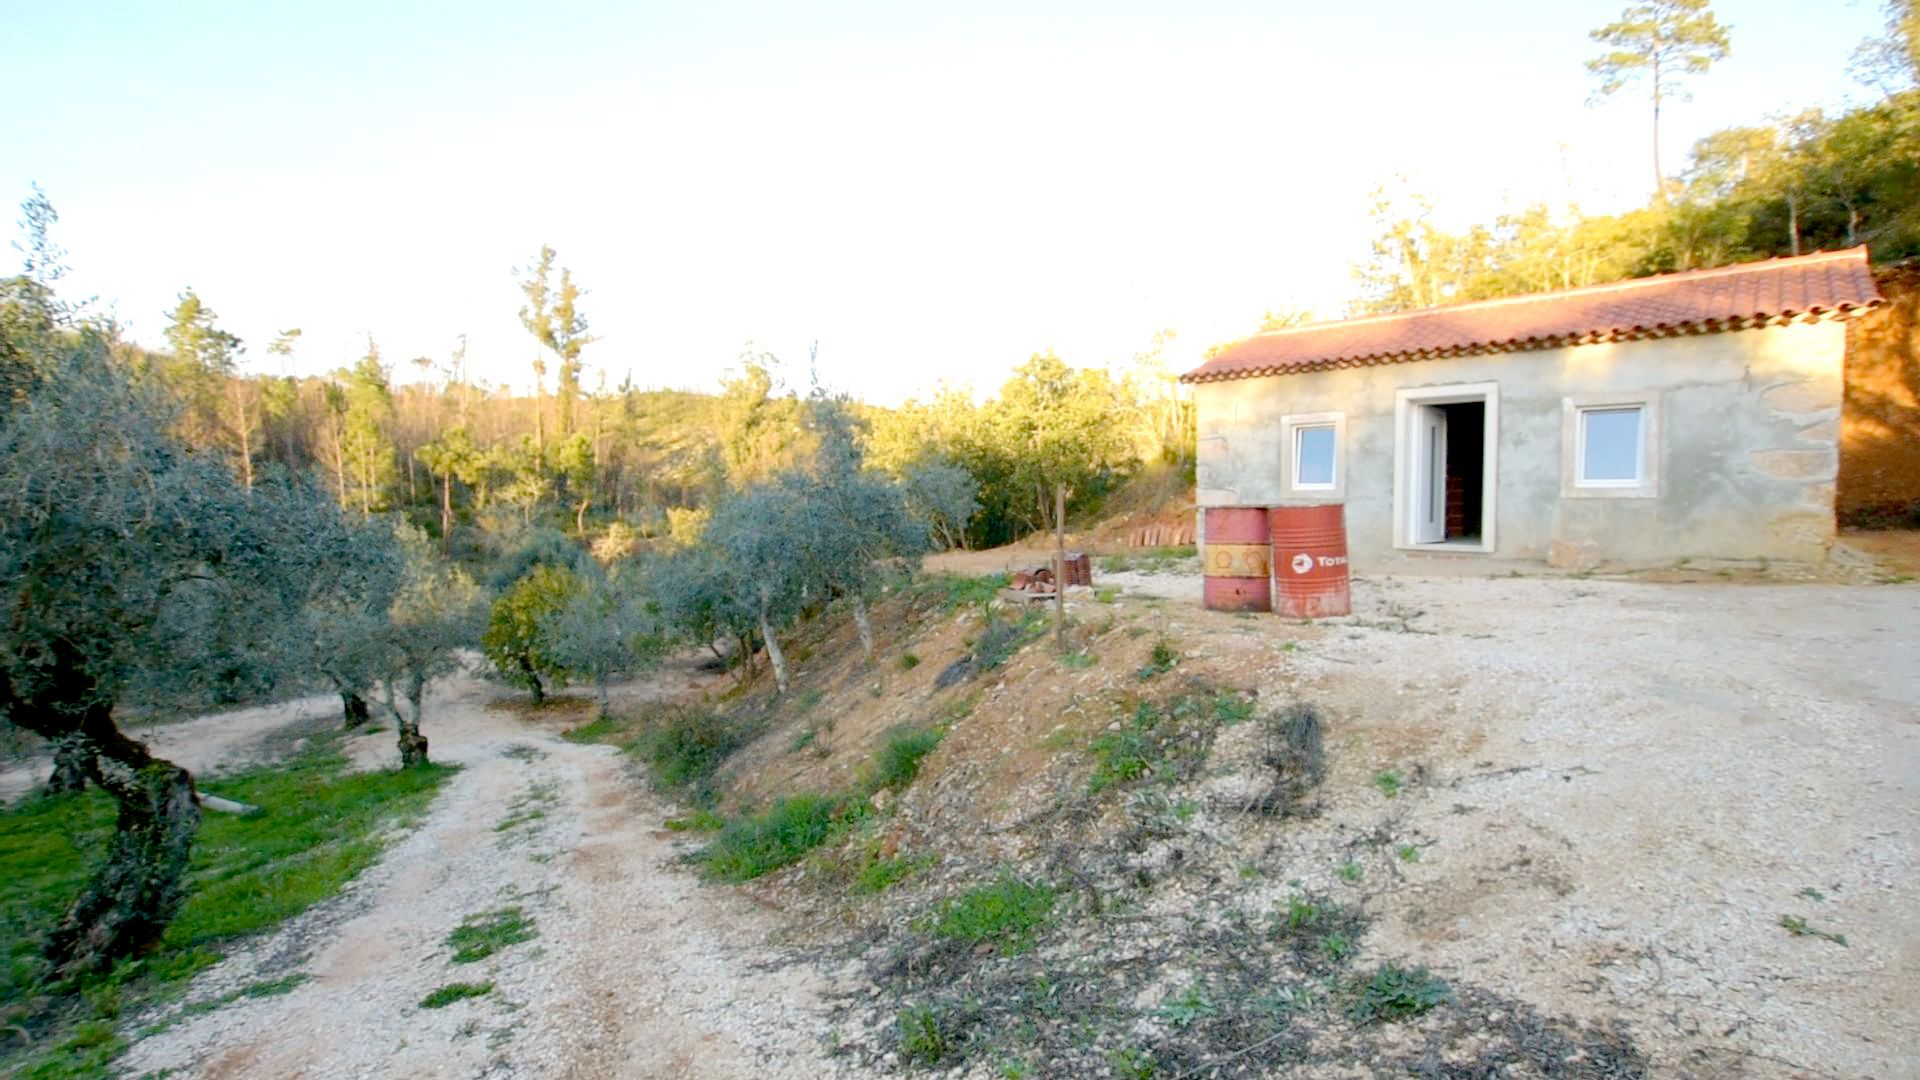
x=128, y=560
x=553, y=316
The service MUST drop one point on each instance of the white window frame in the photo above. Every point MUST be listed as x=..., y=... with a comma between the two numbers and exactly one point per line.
x=1290, y=427
x=1404, y=439
x=1573, y=449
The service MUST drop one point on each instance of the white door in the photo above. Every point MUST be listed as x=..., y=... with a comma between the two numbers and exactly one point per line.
x=1430, y=475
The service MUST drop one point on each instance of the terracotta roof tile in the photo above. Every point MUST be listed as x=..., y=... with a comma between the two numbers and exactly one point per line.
x=1697, y=301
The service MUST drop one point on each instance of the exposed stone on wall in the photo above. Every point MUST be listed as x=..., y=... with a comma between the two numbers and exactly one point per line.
x=1802, y=396
x=1573, y=554
x=1823, y=432
x=1813, y=531
x=1795, y=464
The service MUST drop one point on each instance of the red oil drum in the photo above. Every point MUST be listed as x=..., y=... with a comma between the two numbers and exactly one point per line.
x=1310, y=561
x=1235, y=560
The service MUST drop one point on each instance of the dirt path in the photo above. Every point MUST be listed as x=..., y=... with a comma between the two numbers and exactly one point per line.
x=637, y=969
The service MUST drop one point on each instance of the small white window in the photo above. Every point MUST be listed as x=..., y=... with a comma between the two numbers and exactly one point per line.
x=1311, y=455
x=1611, y=447
x=1314, y=447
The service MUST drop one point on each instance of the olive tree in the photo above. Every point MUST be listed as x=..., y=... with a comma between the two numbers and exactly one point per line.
x=942, y=495
x=755, y=537
x=851, y=518
x=433, y=615
x=699, y=600
x=604, y=631
x=344, y=628
x=128, y=560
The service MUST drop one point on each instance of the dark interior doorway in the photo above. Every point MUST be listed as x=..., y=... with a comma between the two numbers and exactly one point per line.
x=1466, y=467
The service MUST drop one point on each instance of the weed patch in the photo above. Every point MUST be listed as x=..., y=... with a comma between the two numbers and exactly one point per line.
x=1394, y=993
x=598, y=730
x=897, y=761
x=878, y=873
x=1161, y=660
x=480, y=936
x=683, y=749
x=952, y=591
x=452, y=992
x=1005, y=913
x=1798, y=927
x=758, y=844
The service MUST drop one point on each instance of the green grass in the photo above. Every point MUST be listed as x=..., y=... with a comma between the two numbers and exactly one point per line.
x=318, y=828
x=1137, y=750
x=600, y=729
x=1007, y=913
x=1078, y=661
x=1350, y=871
x=480, y=936
x=909, y=661
x=1389, y=783
x=781, y=835
x=452, y=992
x=897, y=761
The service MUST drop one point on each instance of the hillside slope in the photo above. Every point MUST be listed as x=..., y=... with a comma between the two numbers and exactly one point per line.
x=1549, y=827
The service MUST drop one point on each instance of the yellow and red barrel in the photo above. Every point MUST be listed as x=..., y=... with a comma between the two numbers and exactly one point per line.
x=1235, y=559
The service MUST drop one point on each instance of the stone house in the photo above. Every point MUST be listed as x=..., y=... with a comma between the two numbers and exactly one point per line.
x=1689, y=415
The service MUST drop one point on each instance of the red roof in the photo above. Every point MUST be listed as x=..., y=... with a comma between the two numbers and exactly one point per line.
x=1694, y=302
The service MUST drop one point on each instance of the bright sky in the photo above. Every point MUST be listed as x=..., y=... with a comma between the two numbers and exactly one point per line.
x=929, y=191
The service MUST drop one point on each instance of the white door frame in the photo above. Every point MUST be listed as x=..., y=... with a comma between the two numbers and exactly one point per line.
x=1407, y=473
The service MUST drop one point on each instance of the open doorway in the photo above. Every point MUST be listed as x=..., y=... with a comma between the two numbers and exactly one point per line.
x=1447, y=465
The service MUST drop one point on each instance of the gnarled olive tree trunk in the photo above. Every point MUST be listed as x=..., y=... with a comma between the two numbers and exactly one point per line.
x=353, y=710
x=69, y=766
x=139, y=886
x=406, y=722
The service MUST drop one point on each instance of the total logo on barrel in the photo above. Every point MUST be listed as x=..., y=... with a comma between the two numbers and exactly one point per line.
x=1304, y=562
